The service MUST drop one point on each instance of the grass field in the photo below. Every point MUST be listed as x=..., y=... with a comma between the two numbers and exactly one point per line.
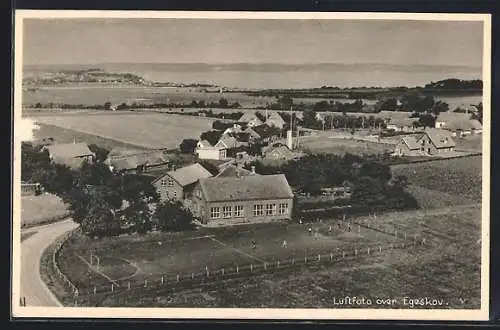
x=342, y=146
x=157, y=254
x=451, y=251
x=147, y=130
x=460, y=176
x=41, y=209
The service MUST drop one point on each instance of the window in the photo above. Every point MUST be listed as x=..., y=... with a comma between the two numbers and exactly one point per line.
x=170, y=183
x=175, y=193
x=238, y=211
x=271, y=209
x=258, y=210
x=163, y=182
x=226, y=212
x=283, y=208
x=215, y=212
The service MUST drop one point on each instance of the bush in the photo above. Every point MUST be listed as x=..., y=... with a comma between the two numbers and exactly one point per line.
x=172, y=216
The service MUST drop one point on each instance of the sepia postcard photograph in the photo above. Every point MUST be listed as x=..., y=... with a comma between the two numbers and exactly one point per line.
x=251, y=165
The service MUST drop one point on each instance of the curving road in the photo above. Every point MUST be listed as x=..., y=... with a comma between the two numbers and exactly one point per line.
x=32, y=287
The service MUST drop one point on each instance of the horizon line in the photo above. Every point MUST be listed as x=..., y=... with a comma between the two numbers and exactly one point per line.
x=259, y=63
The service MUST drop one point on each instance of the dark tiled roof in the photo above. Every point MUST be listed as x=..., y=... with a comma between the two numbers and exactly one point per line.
x=250, y=187
x=411, y=142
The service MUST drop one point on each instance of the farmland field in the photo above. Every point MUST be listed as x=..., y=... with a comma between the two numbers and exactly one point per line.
x=147, y=130
x=41, y=209
x=91, y=95
x=459, y=176
x=64, y=135
x=342, y=146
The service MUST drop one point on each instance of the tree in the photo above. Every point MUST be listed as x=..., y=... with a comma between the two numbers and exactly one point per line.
x=427, y=120
x=223, y=103
x=100, y=221
x=107, y=106
x=188, y=146
x=211, y=136
x=439, y=107
x=171, y=215
x=100, y=153
x=309, y=119
x=479, y=114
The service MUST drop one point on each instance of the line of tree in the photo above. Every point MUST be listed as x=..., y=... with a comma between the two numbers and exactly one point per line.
x=371, y=181
x=104, y=203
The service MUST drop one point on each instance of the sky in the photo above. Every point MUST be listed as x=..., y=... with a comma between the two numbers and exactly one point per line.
x=95, y=41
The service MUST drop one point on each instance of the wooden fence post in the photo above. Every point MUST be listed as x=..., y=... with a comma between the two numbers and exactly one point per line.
x=319, y=257
x=405, y=236
x=343, y=254
x=95, y=290
x=177, y=277
x=368, y=250
x=112, y=287
x=146, y=283
x=128, y=285
x=293, y=261
x=222, y=271
x=192, y=276
x=379, y=249
x=162, y=280
x=305, y=259
x=331, y=256
x=251, y=268
x=278, y=264
x=237, y=269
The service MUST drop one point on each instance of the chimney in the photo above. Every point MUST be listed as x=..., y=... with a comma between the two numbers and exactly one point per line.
x=289, y=139
x=173, y=167
x=253, y=169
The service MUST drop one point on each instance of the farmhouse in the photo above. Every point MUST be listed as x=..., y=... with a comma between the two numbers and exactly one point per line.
x=245, y=199
x=432, y=141
x=274, y=120
x=230, y=142
x=279, y=151
x=458, y=123
x=205, y=150
x=178, y=184
x=70, y=154
x=250, y=119
x=234, y=170
x=402, y=124
x=135, y=160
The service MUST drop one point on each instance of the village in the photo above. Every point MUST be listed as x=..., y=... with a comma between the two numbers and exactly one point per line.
x=234, y=150
x=249, y=185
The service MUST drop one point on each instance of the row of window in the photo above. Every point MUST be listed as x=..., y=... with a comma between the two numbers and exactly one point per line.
x=167, y=183
x=238, y=211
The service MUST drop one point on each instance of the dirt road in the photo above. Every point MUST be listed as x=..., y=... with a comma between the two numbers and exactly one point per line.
x=33, y=289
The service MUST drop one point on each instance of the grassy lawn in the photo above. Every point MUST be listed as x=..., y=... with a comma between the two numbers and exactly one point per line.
x=447, y=268
x=41, y=209
x=459, y=177
x=342, y=146
x=148, y=130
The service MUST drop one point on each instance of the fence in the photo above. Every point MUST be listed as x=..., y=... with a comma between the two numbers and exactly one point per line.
x=58, y=244
x=208, y=277
x=28, y=189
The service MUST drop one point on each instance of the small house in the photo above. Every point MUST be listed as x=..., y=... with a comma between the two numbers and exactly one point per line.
x=251, y=119
x=430, y=142
x=459, y=124
x=135, y=160
x=69, y=154
x=275, y=120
